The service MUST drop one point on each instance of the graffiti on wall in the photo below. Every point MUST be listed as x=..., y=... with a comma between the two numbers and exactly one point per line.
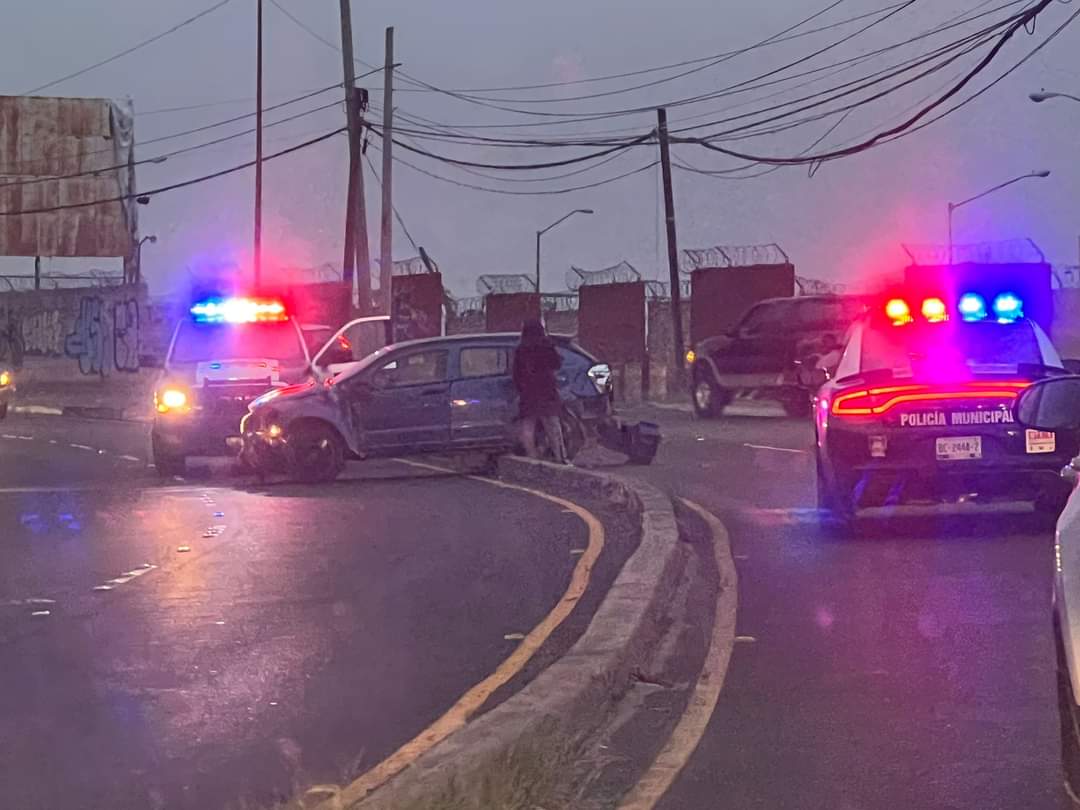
x=105, y=337
x=101, y=333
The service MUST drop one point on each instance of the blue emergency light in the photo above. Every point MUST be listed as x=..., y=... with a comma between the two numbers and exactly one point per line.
x=1008, y=307
x=972, y=307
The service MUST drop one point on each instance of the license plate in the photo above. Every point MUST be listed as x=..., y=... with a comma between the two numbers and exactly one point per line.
x=1040, y=441
x=959, y=448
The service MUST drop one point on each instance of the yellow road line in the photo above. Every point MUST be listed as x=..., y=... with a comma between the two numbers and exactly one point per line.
x=467, y=705
x=689, y=730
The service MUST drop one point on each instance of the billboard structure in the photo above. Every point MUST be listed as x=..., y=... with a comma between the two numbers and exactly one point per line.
x=55, y=155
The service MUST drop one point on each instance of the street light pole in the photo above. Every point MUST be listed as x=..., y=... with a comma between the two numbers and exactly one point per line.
x=953, y=206
x=548, y=228
x=257, y=248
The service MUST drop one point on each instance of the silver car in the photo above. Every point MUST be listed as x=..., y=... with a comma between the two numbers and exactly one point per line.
x=1054, y=405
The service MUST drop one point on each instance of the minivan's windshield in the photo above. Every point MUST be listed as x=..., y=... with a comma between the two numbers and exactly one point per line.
x=980, y=347
x=272, y=340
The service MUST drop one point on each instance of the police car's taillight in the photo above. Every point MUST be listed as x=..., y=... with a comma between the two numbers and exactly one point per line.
x=876, y=401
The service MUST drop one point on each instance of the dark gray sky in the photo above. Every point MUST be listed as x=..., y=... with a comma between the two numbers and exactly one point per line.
x=844, y=224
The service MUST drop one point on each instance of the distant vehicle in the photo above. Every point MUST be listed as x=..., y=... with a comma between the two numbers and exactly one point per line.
x=920, y=405
x=224, y=354
x=761, y=355
x=1053, y=406
x=7, y=388
x=436, y=395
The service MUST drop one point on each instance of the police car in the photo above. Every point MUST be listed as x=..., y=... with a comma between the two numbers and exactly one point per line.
x=223, y=354
x=919, y=408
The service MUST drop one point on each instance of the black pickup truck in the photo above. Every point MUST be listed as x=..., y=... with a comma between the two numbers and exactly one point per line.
x=762, y=354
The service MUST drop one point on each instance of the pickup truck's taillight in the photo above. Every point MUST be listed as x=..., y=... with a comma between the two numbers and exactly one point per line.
x=600, y=374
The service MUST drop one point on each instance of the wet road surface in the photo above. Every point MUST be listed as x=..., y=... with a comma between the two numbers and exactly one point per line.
x=909, y=667
x=192, y=644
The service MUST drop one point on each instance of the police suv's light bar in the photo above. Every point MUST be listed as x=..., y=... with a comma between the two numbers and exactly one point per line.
x=1007, y=308
x=239, y=310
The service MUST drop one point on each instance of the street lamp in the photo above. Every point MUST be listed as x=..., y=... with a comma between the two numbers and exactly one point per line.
x=138, y=256
x=548, y=228
x=953, y=206
x=1046, y=95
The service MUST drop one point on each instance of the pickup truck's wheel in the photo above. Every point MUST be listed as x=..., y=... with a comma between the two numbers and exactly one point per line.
x=836, y=509
x=709, y=398
x=797, y=405
x=167, y=463
x=316, y=452
x=3, y=410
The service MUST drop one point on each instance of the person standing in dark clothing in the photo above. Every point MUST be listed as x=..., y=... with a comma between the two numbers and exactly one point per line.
x=536, y=362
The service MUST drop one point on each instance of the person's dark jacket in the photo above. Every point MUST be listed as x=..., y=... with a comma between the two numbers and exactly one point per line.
x=535, y=366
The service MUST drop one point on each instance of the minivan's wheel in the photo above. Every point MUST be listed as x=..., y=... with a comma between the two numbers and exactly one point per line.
x=836, y=510
x=1070, y=731
x=709, y=398
x=166, y=462
x=316, y=452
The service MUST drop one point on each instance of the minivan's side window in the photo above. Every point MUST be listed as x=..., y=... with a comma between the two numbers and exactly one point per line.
x=484, y=361
x=414, y=369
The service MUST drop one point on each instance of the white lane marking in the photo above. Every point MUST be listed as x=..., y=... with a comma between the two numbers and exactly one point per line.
x=745, y=639
x=53, y=441
x=126, y=577
x=25, y=438
x=40, y=613
x=777, y=449
x=129, y=458
x=8, y=436
x=81, y=447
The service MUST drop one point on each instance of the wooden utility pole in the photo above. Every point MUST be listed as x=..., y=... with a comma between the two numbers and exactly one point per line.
x=256, y=260
x=355, y=213
x=672, y=242
x=386, y=233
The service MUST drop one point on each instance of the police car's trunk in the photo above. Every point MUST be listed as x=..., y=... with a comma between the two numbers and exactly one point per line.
x=935, y=442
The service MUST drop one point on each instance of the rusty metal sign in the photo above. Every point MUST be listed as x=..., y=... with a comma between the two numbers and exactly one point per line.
x=55, y=152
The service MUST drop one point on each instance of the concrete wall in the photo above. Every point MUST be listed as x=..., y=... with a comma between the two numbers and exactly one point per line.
x=722, y=294
x=506, y=312
x=1065, y=329
x=611, y=321
x=89, y=331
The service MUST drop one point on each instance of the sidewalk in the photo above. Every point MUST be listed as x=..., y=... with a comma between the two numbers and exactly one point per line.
x=119, y=396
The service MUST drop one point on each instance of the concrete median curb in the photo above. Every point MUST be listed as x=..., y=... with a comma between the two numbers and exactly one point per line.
x=569, y=699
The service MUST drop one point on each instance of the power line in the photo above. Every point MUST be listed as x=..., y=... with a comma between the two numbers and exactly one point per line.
x=709, y=62
x=510, y=192
x=747, y=85
x=183, y=184
x=397, y=215
x=1021, y=21
x=130, y=50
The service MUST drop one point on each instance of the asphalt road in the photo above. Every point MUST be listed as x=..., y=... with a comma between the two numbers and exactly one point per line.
x=199, y=644
x=909, y=667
